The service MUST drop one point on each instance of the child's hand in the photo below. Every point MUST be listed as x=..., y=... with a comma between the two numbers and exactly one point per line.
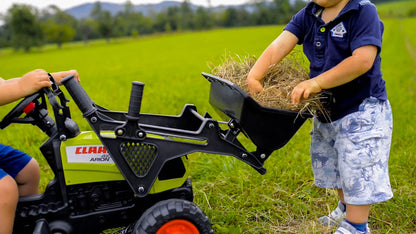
x=58, y=76
x=254, y=86
x=32, y=81
x=304, y=89
x=76, y=75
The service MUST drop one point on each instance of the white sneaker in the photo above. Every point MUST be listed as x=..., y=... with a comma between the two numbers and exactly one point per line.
x=334, y=217
x=346, y=228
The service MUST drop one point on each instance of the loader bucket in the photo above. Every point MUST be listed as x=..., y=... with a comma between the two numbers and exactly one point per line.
x=268, y=128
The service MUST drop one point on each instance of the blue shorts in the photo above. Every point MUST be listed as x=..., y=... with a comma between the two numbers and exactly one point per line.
x=12, y=161
x=352, y=153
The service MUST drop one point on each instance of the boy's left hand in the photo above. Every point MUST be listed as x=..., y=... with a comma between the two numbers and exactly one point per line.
x=58, y=76
x=304, y=90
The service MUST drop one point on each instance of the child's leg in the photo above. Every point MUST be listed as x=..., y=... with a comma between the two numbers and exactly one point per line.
x=23, y=168
x=355, y=213
x=364, y=145
x=28, y=179
x=8, y=202
x=358, y=214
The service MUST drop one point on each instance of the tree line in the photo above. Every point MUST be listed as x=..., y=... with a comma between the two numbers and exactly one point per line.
x=26, y=26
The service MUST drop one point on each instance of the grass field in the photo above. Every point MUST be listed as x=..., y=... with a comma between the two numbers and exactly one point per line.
x=396, y=9
x=235, y=197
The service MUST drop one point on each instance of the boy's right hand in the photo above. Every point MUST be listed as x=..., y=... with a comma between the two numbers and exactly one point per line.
x=254, y=86
x=32, y=81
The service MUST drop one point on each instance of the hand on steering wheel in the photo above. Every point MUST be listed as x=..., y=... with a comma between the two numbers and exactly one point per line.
x=26, y=106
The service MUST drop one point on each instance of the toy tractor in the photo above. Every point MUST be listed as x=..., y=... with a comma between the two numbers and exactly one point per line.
x=132, y=170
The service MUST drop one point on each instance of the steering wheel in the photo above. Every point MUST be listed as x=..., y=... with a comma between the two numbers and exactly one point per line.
x=26, y=106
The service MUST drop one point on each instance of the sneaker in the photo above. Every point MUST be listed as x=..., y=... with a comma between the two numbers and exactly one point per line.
x=334, y=217
x=346, y=228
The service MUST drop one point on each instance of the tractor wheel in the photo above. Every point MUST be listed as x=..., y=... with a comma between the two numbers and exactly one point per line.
x=174, y=216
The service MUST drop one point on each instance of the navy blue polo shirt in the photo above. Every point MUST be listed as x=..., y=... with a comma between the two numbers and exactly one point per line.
x=326, y=45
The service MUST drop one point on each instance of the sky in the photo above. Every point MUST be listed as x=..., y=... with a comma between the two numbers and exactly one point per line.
x=66, y=4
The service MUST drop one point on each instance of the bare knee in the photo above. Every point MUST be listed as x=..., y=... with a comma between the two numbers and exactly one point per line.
x=28, y=179
x=9, y=192
x=8, y=202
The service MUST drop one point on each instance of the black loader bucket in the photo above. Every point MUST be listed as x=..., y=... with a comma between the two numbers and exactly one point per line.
x=268, y=128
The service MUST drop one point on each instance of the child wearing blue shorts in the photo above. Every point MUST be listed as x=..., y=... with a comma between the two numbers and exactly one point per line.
x=12, y=161
x=350, y=146
x=19, y=173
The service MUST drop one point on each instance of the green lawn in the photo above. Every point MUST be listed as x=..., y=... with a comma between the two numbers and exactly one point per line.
x=235, y=197
x=396, y=9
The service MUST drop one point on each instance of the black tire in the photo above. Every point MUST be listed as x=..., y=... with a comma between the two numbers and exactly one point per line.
x=60, y=227
x=171, y=211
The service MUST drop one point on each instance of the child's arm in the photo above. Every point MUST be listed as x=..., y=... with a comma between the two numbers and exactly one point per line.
x=361, y=60
x=57, y=76
x=14, y=89
x=273, y=54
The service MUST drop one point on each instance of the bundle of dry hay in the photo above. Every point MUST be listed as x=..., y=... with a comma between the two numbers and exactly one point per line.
x=278, y=83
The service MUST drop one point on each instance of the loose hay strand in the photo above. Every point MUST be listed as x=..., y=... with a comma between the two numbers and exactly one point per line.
x=278, y=82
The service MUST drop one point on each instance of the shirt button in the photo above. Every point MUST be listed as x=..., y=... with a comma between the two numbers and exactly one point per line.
x=323, y=29
x=318, y=44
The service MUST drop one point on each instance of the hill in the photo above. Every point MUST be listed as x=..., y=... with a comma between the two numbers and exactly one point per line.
x=83, y=11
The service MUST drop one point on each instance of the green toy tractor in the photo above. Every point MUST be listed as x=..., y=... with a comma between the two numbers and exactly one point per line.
x=132, y=170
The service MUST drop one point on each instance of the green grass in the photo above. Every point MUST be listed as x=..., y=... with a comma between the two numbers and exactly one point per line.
x=396, y=9
x=235, y=197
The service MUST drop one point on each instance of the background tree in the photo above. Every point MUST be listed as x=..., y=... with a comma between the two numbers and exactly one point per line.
x=203, y=19
x=159, y=22
x=173, y=19
x=25, y=28
x=86, y=27
x=58, y=34
x=229, y=18
x=129, y=21
x=263, y=14
x=120, y=27
x=5, y=36
x=104, y=21
x=411, y=12
x=22, y=28
x=299, y=4
x=283, y=12
x=186, y=16
x=96, y=11
x=143, y=24
x=58, y=25
x=105, y=25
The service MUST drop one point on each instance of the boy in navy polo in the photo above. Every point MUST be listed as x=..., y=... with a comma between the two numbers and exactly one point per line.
x=19, y=173
x=350, y=145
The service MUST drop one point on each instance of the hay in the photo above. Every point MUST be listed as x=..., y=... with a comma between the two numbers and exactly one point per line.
x=278, y=83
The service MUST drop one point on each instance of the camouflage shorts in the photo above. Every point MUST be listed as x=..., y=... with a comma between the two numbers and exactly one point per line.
x=352, y=153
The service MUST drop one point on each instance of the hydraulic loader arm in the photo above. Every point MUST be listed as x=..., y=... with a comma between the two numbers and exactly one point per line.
x=142, y=143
